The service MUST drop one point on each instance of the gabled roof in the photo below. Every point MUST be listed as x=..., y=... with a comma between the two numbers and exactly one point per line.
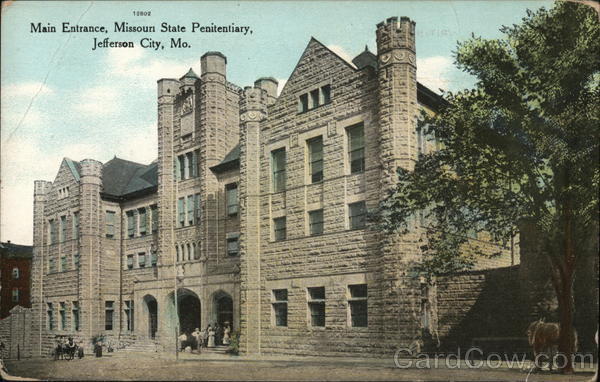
x=11, y=250
x=74, y=166
x=231, y=160
x=366, y=58
x=121, y=177
x=312, y=42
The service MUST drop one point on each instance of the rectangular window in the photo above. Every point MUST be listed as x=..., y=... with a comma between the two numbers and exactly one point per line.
x=315, y=157
x=110, y=223
x=63, y=316
x=75, y=225
x=190, y=209
x=280, y=306
x=303, y=103
x=314, y=99
x=357, y=304
x=181, y=211
x=231, y=194
x=75, y=314
x=357, y=213
x=316, y=306
x=63, y=263
x=130, y=224
x=279, y=229
x=356, y=148
x=181, y=167
x=154, y=213
x=52, y=229
x=233, y=244
x=421, y=141
x=197, y=210
x=76, y=260
x=326, y=94
x=129, y=314
x=15, y=295
x=51, y=265
x=129, y=261
x=154, y=258
x=177, y=253
x=50, y=316
x=194, y=170
x=63, y=228
x=196, y=251
x=191, y=164
x=278, y=167
x=108, y=315
x=16, y=274
x=143, y=217
x=142, y=260
x=315, y=222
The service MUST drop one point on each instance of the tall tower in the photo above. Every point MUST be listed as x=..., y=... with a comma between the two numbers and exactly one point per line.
x=253, y=110
x=398, y=108
x=397, y=305
x=213, y=141
x=167, y=91
x=90, y=246
x=41, y=188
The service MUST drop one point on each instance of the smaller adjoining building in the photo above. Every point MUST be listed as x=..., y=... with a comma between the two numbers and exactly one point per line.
x=15, y=277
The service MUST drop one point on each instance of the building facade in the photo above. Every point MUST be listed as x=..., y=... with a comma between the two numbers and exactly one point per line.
x=254, y=213
x=15, y=276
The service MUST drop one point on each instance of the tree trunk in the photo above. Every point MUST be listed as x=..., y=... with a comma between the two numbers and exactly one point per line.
x=566, y=340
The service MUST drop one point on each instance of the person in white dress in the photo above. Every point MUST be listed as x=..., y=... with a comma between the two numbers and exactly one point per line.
x=211, y=337
x=198, y=337
x=227, y=335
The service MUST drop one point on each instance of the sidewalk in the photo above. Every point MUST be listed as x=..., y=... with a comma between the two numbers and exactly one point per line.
x=222, y=367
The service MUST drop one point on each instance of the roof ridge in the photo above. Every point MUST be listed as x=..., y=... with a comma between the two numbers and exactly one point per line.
x=125, y=160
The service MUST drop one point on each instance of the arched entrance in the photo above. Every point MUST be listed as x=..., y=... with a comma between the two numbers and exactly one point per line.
x=189, y=312
x=152, y=315
x=223, y=308
x=188, y=309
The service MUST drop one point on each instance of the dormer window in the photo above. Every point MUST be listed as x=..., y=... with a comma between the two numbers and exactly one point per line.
x=314, y=98
x=303, y=103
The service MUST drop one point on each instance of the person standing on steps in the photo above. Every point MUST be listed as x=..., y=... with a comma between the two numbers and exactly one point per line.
x=211, y=337
x=198, y=338
x=226, y=334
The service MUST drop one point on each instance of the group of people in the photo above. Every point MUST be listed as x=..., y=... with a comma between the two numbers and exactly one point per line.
x=210, y=337
x=66, y=349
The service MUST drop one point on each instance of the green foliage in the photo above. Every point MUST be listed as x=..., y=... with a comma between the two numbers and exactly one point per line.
x=522, y=145
x=234, y=345
x=97, y=338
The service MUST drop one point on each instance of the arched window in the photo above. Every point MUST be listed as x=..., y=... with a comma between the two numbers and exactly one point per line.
x=15, y=273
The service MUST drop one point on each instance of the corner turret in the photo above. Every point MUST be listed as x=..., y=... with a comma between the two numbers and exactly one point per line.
x=213, y=63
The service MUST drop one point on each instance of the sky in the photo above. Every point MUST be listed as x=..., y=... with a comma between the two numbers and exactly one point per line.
x=60, y=98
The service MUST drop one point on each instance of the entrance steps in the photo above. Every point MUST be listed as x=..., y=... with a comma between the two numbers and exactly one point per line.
x=221, y=349
x=143, y=346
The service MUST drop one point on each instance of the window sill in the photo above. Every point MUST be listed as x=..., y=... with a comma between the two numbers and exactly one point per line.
x=314, y=108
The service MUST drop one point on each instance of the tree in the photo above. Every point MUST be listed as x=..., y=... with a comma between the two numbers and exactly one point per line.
x=521, y=145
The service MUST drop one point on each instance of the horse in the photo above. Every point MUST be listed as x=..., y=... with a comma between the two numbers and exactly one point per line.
x=70, y=351
x=543, y=337
x=59, y=351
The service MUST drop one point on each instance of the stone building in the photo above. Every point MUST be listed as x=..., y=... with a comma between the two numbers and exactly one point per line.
x=253, y=213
